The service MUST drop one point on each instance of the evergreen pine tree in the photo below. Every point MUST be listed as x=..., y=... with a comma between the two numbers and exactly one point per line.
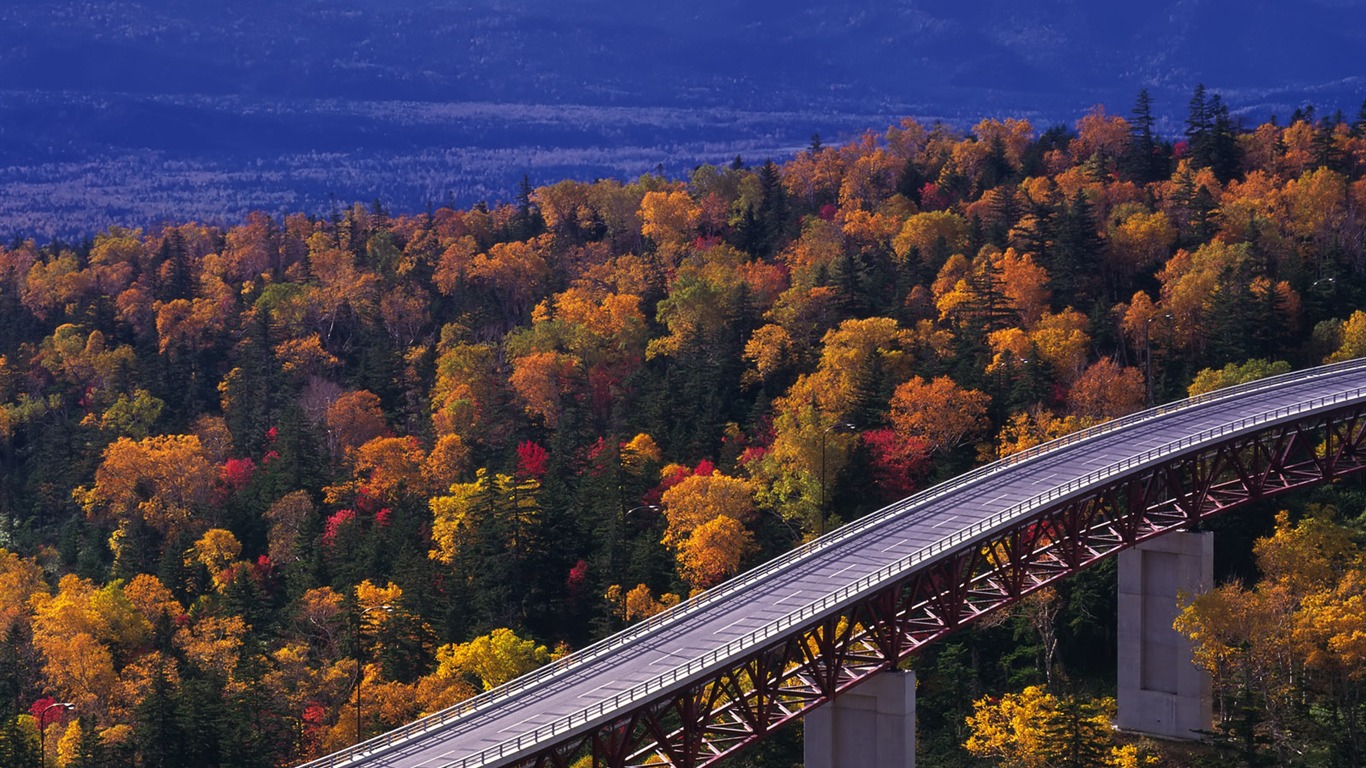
x=527, y=223
x=1075, y=735
x=180, y=280
x=1003, y=213
x=912, y=180
x=1075, y=264
x=18, y=742
x=157, y=731
x=773, y=210
x=1224, y=156
x=1143, y=162
x=1198, y=128
x=996, y=170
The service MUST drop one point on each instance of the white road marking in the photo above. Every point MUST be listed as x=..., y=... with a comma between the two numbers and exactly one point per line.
x=599, y=688
x=733, y=623
x=519, y=722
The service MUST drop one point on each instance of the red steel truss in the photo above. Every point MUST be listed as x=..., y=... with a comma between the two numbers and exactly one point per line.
x=737, y=705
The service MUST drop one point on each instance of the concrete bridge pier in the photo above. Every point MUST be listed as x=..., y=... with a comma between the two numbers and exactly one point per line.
x=869, y=726
x=1161, y=691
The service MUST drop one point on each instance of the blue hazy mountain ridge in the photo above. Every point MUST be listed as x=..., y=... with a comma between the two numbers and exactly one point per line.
x=225, y=88
x=764, y=54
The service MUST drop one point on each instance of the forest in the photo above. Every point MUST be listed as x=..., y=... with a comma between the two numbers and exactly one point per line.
x=271, y=488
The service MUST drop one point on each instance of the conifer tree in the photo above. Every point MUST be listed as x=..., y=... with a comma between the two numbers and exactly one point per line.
x=1075, y=735
x=1144, y=160
x=1198, y=128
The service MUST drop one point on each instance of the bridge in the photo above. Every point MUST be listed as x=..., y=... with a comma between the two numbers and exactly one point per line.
x=721, y=670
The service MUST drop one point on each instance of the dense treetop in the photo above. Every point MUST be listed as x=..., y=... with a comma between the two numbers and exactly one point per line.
x=245, y=468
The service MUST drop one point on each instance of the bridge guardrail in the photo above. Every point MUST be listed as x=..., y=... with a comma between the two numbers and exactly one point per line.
x=799, y=617
x=438, y=720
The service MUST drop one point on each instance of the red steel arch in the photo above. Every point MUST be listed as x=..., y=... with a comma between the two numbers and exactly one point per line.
x=732, y=707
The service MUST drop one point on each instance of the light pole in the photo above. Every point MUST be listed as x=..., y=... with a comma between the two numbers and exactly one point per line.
x=1329, y=289
x=1148, y=353
x=42, y=729
x=360, y=666
x=620, y=533
x=842, y=426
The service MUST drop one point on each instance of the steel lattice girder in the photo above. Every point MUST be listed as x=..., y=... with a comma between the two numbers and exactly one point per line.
x=748, y=699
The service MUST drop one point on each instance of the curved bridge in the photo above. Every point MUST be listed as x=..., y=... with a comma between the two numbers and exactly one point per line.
x=723, y=669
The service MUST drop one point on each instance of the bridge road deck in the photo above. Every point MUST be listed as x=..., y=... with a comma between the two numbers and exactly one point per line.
x=841, y=561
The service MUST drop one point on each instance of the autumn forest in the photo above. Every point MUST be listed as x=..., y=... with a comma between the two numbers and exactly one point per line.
x=250, y=471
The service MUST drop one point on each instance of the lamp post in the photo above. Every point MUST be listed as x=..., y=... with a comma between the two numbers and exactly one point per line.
x=842, y=426
x=620, y=533
x=1148, y=353
x=360, y=666
x=42, y=729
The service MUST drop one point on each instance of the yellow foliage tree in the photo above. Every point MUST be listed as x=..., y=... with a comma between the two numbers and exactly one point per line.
x=215, y=550
x=1035, y=729
x=1212, y=379
x=448, y=460
x=768, y=351
x=1010, y=729
x=939, y=411
x=714, y=551
x=1062, y=341
x=640, y=603
x=20, y=580
x=452, y=520
x=151, y=598
x=1027, y=429
x=1353, y=336
x=163, y=480
x=640, y=450
x=669, y=219
x=701, y=498
x=1296, y=638
x=1141, y=241
x=542, y=380
x=213, y=643
x=493, y=659
x=72, y=636
x=927, y=233
x=386, y=468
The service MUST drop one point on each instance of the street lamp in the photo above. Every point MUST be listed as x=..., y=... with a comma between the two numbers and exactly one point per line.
x=842, y=426
x=616, y=535
x=42, y=729
x=360, y=667
x=1148, y=353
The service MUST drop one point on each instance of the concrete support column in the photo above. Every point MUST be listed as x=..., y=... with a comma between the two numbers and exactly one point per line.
x=1161, y=692
x=869, y=726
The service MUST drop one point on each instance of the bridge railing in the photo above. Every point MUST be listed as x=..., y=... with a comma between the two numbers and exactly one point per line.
x=803, y=616
x=439, y=720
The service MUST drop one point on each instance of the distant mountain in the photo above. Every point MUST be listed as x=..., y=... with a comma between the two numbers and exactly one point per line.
x=249, y=81
x=761, y=54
